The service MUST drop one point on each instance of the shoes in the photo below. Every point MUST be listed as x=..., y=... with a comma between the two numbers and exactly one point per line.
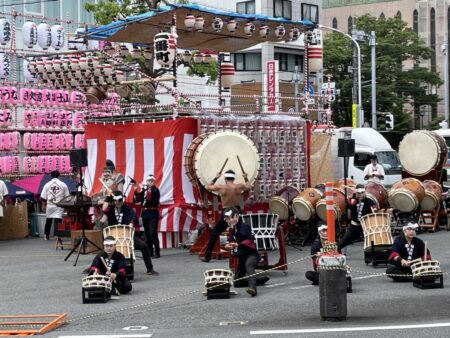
x=252, y=292
x=157, y=256
x=152, y=272
x=262, y=280
x=46, y=238
x=85, y=271
x=205, y=260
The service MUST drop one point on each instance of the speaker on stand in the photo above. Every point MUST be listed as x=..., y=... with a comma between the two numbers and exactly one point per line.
x=346, y=149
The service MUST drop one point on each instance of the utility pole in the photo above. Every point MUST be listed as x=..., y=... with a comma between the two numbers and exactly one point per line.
x=296, y=76
x=372, y=44
x=355, y=80
x=445, y=52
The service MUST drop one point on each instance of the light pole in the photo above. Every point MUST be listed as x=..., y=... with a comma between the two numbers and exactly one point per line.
x=372, y=44
x=444, y=48
x=359, y=118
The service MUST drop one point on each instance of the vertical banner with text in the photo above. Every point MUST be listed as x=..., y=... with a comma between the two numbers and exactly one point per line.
x=354, y=112
x=271, y=86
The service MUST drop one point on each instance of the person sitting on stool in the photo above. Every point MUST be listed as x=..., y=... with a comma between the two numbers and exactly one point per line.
x=317, y=245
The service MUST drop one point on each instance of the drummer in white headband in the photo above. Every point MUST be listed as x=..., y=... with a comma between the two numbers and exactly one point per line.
x=230, y=195
x=316, y=246
x=406, y=248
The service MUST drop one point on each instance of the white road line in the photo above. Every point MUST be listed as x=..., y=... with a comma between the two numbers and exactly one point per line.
x=274, y=285
x=111, y=336
x=351, y=329
x=301, y=287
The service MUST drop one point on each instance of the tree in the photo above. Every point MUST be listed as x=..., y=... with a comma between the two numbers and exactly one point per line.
x=107, y=11
x=402, y=83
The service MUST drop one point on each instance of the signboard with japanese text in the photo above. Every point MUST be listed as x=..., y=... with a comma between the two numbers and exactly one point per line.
x=271, y=86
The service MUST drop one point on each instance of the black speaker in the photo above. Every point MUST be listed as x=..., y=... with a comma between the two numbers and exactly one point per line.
x=346, y=147
x=78, y=158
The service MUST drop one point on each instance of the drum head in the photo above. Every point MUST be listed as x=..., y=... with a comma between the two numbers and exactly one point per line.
x=403, y=200
x=278, y=205
x=302, y=209
x=217, y=147
x=430, y=201
x=419, y=153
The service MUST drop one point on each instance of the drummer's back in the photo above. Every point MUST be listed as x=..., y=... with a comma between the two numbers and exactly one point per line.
x=230, y=194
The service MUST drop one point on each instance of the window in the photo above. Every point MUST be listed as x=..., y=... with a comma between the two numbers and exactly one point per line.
x=246, y=7
x=416, y=21
x=247, y=61
x=382, y=16
x=85, y=15
x=398, y=15
x=287, y=62
x=334, y=24
x=310, y=12
x=350, y=25
x=52, y=9
x=282, y=8
x=33, y=6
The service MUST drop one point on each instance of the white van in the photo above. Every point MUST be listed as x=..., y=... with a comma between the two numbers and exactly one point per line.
x=367, y=142
x=445, y=133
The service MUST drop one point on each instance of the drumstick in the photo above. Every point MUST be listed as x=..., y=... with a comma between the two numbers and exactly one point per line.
x=223, y=166
x=109, y=270
x=104, y=184
x=425, y=251
x=240, y=164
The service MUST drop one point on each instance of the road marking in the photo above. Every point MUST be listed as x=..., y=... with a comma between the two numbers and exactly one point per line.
x=135, y=328
x=274, y=285
x=111, y=336
x=351, y=329
x=236, y=322
x=301, y=287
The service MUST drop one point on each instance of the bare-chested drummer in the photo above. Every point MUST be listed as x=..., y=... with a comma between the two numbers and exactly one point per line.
x=230, y=195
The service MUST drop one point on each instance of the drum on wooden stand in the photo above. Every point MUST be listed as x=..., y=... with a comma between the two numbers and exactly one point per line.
x=304, y=205
x=406, y=195
x=124, y=238
x=378, y=194
x=207, y=153
x=433, y=194
x=281, y=203
x=377, y=229
x=338, y=205
x=422, y=151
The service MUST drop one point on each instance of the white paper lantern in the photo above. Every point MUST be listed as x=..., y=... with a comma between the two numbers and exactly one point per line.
x=5, y=31
x=280, y=31
x=44, y=32
x=217, y=24
x=187, y=56
x=199, y=23
x=264, y=31
x=165, y=48
x=79, y=45
x=29, y=34
x=58, y=37
x=232, y=25
x=26, y=72
x=189, y=22
x=249, y=28
x=5, y=65
x=315, y=59
x=294, y=33
x=93, y=44
x=198, y=57
x=226, y=74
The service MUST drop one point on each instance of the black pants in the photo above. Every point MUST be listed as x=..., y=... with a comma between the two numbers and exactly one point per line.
x=48, y=225
x=151, y=231
x=353, y=232
x=399, y=274
x=140, y=245
x=246, y=267
x=123, y=285
x=313, y=276
x=220, y=227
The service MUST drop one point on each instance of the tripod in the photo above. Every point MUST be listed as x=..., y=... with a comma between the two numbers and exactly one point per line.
x=83, y=240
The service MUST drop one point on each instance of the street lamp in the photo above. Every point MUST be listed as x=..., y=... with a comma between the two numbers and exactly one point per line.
x=444, y=49
x=359, y=118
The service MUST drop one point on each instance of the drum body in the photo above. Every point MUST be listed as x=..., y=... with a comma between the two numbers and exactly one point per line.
x=339, y=205
x=207, y=153
x=426, y=268
x=304, y=205
x=433, y=194
x=97, y=281
x=378, y=194
x=422, y=151
x=124, y=237
x=264, y=226
x=340, y=184
x=406, y=195
x=281, y=203
x=218, y=276
x=377, y=229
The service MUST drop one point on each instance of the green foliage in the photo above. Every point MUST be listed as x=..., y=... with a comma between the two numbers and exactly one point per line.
x=402, y=84
x=202, y=69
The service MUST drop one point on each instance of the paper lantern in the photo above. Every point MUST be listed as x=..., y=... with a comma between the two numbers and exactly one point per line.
x=56, y=142
x=5, y=31
x=1, y=145
x=207, y=58
x=79, y=44
x=66, y=164
x=199, y=23
x=217, y=24
x=136, y=53
x=165, y=48
x=198, y=57
x=15, y=140
x=27, y=75
x=123, y=51
x=5, y=65
x=294, y=33
x=7, y=141
x=15, y=164
x=249, y=28
x=41, y=164
x=29, y=34
x=264, y=31
x=79, y=140
x=186, y=56
x=226, y=74
x=189, y=22
x=44, y=32
x=232, y=25
x=7, y=164
x=7, y=117
x=280, y=31
x=315, y=59
x=27, y=165
x=57, y=37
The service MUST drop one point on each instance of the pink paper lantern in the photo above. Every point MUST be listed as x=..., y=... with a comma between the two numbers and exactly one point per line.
x=35, y=141
x=67, y=166
x=26, y=118
x=7, y=117
x=35, y=163
x=50, y=164
x=15, y=164
x=27, y=165
x=1, y=141
x=49, y=142
x=79, y=141
x=7, y=141
x=56, y=142
x=41, y=164
x=78, y=121
x=56, y=162
x=27, y=140
x=25, y=96
x=7, y=164
x=15, y=140
x=69, y=120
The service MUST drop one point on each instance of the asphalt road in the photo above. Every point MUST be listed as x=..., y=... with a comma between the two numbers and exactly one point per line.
x=37, y=280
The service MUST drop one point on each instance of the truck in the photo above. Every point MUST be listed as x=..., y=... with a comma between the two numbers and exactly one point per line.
x=368, y=142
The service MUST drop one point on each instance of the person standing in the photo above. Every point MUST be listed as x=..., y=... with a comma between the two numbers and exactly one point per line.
x=359, y=206
x=230, y=195
x=316, y=246
x=374, y=172
x=52, y=193
x=148, y=196
x=3, y=193
x=120, y=213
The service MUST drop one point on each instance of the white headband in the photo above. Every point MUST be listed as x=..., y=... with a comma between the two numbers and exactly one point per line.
x=150, y=177
x=322, y=227
x=228, y=213
x=117, y=198
x=229, y=175
x=410, y=225
x=109, y=242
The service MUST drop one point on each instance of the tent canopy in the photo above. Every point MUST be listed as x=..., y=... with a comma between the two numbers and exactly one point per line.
x=141, y=29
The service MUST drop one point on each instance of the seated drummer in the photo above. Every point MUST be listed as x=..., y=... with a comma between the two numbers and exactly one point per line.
x=120, y=213
x=359, y=205
x=116, y=264
x=316, y=246
x=230, y=196
x=406, y=248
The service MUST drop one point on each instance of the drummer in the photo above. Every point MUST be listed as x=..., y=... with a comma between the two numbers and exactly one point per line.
x=359, y=206
x=230, y=195
x=374, y=172
x=406, y=248
x=316, y=246
x=115, y=266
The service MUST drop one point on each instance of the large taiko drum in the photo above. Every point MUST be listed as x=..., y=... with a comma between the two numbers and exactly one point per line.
x=378, y=194
x=406, y=195
x=304, y=205
x=433, y=194
x=207, y=153
x=422, y=151
x=377, y=229
x=282, y=201
x=338, y=205
x=342, y=183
